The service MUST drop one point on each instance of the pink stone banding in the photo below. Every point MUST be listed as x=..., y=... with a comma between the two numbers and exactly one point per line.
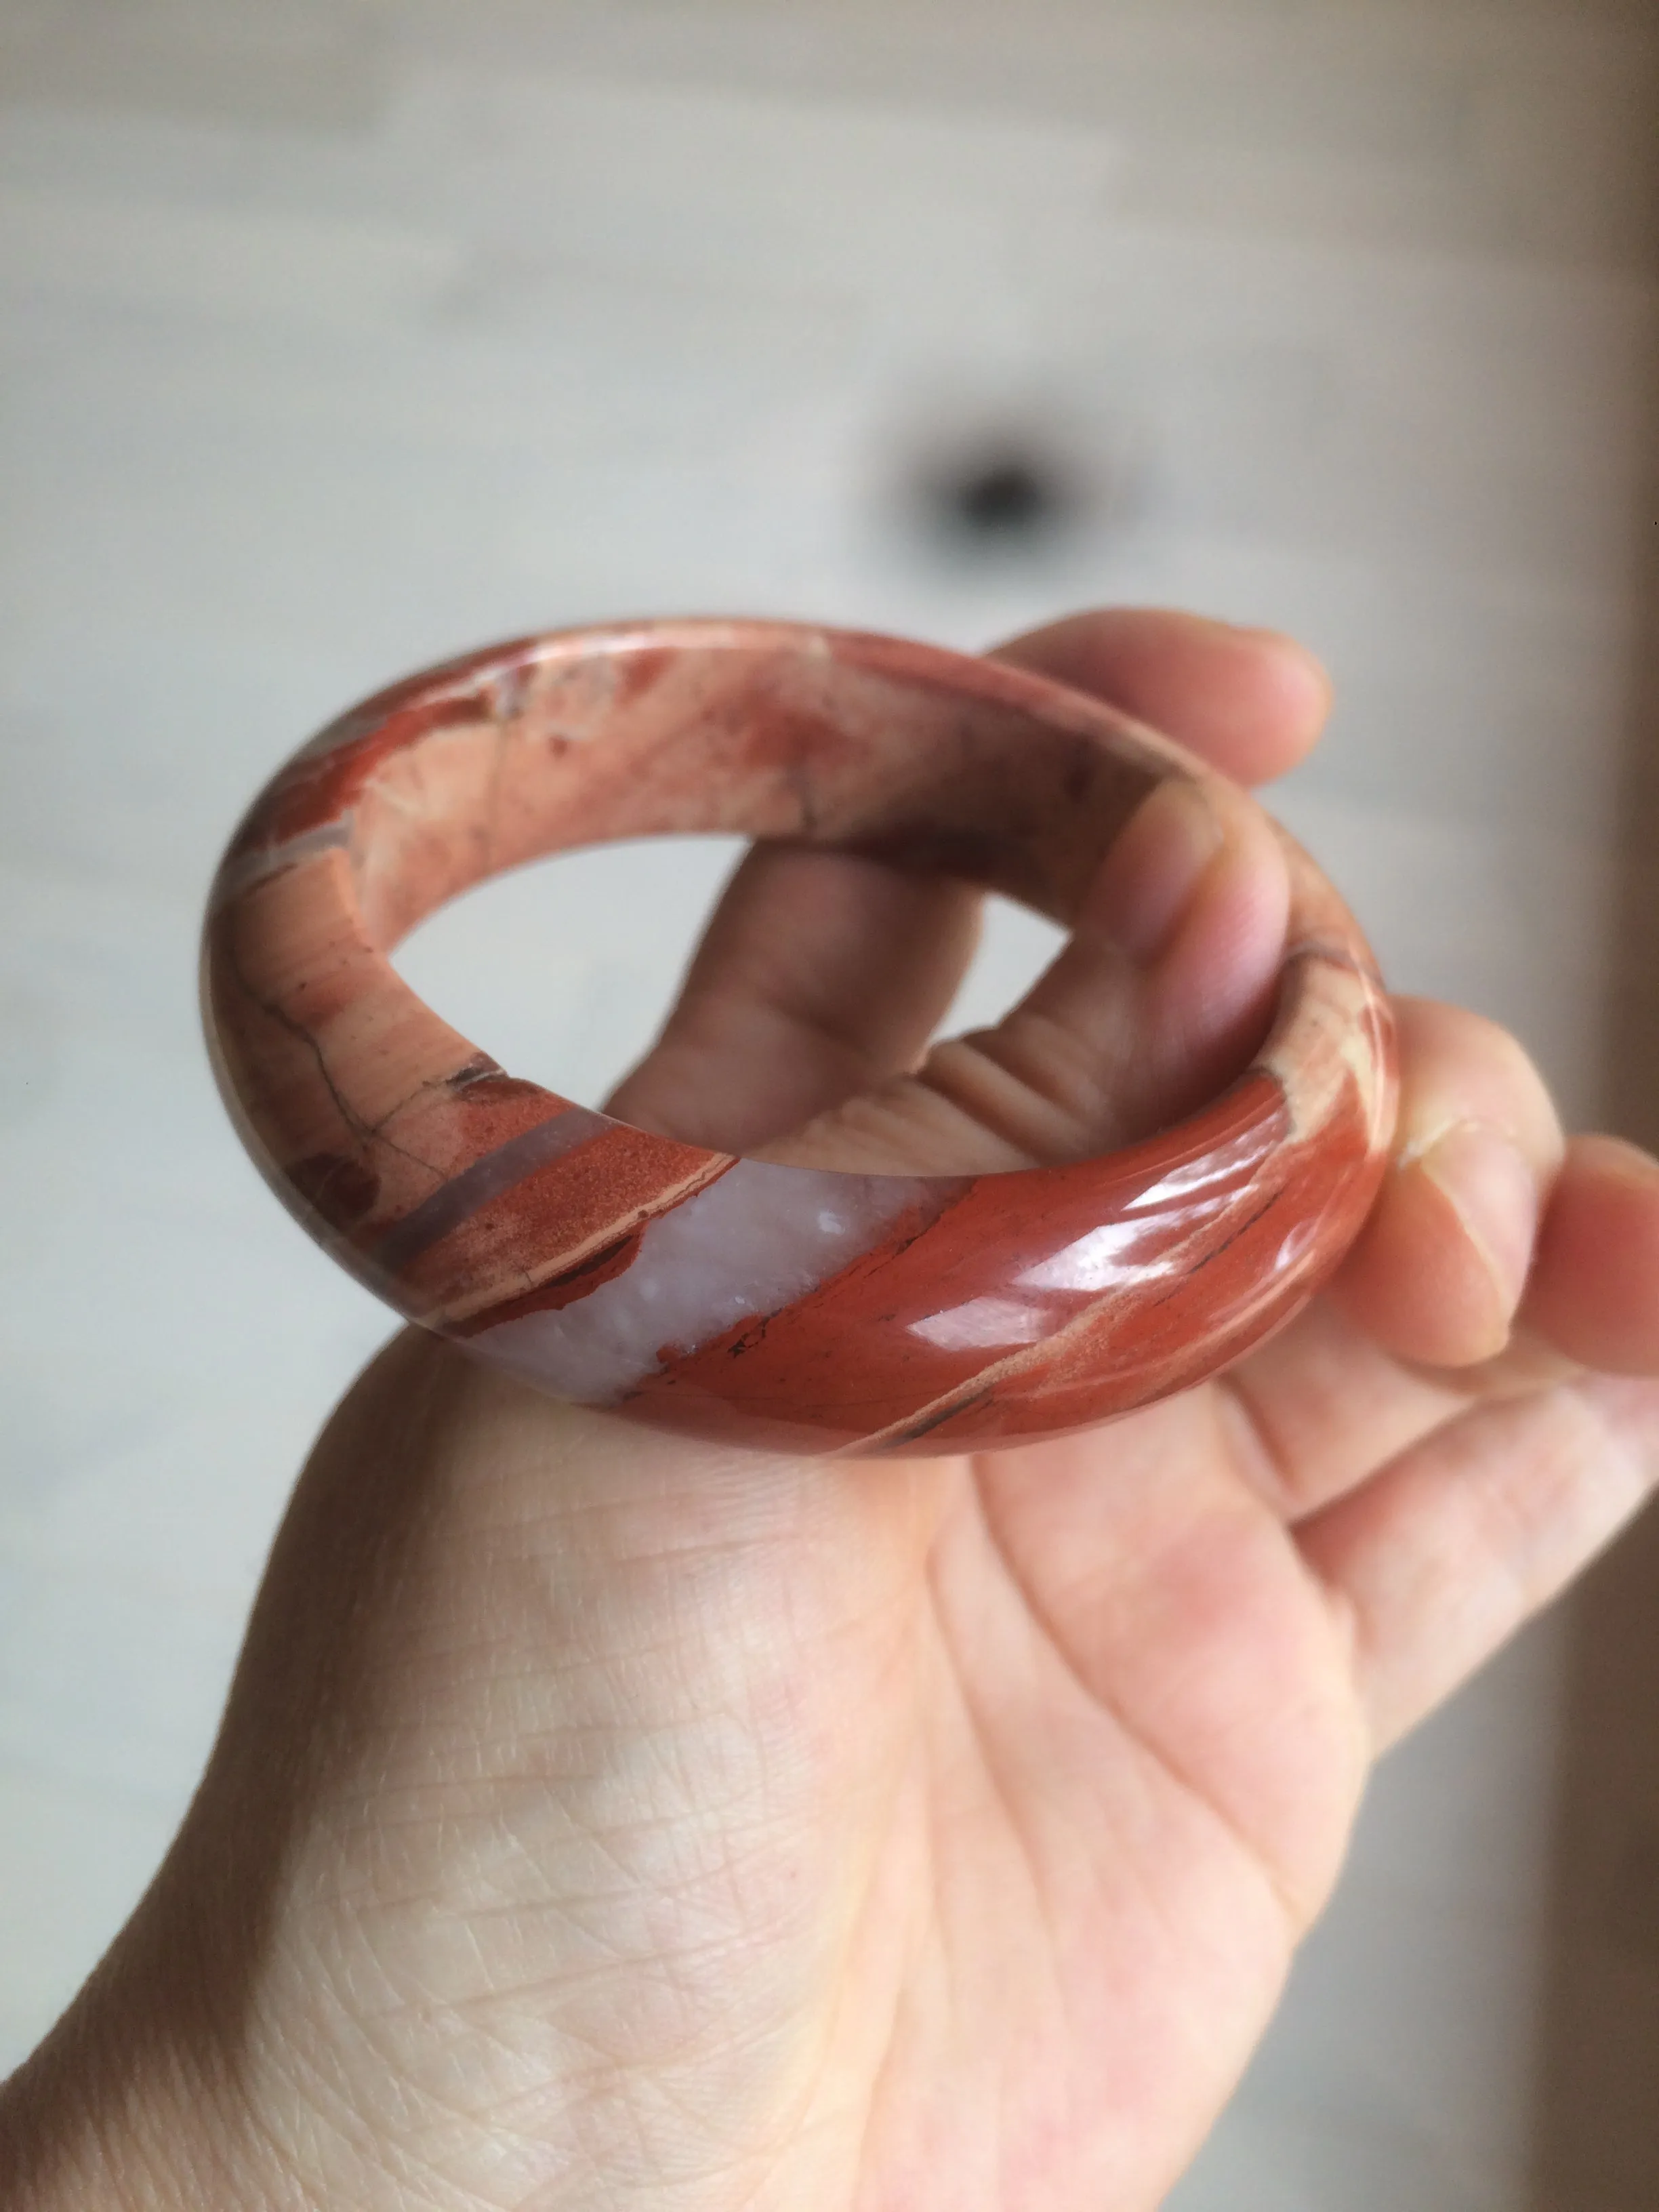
x=779, y=1306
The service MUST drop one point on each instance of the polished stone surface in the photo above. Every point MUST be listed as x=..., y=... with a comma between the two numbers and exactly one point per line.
x=744, y=1299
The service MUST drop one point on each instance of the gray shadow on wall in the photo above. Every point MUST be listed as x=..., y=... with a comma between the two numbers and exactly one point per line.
x=1595, y=2146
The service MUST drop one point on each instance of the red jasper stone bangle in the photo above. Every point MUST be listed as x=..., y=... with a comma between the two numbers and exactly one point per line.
x=779, y=1306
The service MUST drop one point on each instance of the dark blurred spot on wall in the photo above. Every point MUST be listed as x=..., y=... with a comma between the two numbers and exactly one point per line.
x=1007, y=486
x=1004, y=494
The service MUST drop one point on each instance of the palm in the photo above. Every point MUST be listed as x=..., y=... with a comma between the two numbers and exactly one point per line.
x=1047, y=1761
x=1090, y=1730
x=1142, y=1746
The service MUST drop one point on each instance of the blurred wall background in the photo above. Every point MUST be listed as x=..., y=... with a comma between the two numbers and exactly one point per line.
x=336, y=335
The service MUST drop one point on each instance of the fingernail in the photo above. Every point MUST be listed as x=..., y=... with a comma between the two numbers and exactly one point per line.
x=1148, y=879
x=1492, y=1189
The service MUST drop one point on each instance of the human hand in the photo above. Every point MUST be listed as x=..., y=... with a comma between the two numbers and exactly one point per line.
x=602, y=1819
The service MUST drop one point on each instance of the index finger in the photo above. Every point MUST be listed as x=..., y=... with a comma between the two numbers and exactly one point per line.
x=1252, y=702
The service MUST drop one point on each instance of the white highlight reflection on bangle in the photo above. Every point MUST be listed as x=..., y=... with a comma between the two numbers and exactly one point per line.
x=983, y=1324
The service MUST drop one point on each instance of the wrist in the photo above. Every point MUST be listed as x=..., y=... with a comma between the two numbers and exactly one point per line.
x=124, y=2109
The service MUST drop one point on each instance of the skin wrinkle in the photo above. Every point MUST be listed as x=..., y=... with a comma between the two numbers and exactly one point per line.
x=1155, y=1907
x=1348, y=1632
x=990, y=1767
x=1457, y=1445
x=1524, y=1367
x=528, y=1784
x=1003, y=1106
x=1374, y=1621
x=575, y=1981
x=327, y=2113
x=584, y=1911
x=1529, y=1581
x=337, y=2086
x=793, y=2122
x=573, y=1899
x=1454, y=1389
x=928, y=1936
x=433, y=2098
x=1535, y=1517
x=1255, y=1450
x=1074, y=1077
x=929, y=1943
x=1252, y=1447
x=1295, y=1916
